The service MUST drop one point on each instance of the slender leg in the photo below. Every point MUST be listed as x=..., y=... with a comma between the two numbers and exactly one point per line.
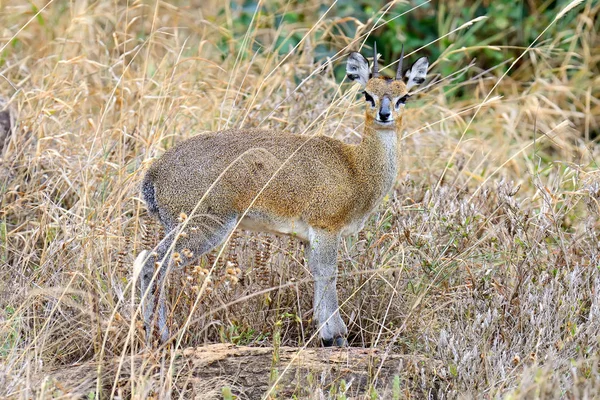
x=163, y=312
x=322, y=260
x=149, y=283
x=147, y=295
x=202, y=235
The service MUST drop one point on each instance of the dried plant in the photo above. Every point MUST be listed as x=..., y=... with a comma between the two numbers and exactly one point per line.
x=484, y=261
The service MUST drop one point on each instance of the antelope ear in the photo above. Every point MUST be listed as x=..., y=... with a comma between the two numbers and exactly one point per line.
x=357, y=68
x=416, y=73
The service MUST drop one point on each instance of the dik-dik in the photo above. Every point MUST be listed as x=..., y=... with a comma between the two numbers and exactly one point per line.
x=317, y=189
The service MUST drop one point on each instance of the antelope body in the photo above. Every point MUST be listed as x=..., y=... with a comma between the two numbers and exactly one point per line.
x=318, y=189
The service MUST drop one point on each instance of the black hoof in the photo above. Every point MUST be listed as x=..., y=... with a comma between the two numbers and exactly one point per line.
x=339, y=342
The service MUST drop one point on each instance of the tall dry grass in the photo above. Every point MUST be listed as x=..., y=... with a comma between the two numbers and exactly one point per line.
x=485, y=259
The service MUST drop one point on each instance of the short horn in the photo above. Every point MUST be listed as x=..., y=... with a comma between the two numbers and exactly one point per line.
x=399, y=71
x=375, y=66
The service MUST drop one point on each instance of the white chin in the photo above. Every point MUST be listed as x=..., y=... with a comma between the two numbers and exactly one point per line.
x=386, y=123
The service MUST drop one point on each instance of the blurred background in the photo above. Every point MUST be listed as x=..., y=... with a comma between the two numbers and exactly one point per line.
x=482, y=266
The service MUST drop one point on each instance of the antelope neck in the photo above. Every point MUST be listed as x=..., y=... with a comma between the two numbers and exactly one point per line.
x=378, y=151
x=377, y=164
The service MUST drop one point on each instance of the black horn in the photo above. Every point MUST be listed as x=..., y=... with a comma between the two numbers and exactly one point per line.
x=399, y=70
x=375, y=66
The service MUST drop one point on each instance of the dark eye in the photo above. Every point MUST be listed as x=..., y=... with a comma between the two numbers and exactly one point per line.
x=369, y=99
x=402, y=100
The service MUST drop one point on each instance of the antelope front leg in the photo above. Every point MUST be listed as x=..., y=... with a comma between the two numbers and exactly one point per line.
x=322, y=260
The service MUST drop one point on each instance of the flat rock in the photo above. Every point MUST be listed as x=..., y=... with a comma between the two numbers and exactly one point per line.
x=255, y=372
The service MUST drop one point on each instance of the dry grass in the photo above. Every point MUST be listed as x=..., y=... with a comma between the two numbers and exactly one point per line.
x=485, y=259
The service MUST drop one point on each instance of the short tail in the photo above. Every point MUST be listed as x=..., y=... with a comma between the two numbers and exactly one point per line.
x=149, y=195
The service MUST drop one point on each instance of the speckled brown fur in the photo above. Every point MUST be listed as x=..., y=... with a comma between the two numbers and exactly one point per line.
x=326, y=183
x=316, y=188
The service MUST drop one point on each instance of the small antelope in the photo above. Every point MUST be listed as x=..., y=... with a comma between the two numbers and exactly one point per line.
x=317, y=189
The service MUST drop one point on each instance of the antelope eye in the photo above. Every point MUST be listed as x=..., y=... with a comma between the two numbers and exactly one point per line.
x=402, y=100
x=369, y=98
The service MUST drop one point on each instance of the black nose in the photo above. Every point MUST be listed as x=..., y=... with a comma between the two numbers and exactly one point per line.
x=384, y=115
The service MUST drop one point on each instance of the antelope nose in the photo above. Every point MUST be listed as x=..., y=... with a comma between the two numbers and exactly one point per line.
x=384, y=111
x=384, y=115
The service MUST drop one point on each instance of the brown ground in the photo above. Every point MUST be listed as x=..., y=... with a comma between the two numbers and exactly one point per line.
x=254, y=372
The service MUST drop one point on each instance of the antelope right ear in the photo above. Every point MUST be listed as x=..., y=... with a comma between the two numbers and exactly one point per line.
x=417, y=73
x=357, y=68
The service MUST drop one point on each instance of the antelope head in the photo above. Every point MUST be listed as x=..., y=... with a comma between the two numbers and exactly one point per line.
x=385, y=97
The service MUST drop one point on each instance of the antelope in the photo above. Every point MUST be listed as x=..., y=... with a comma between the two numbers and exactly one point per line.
x=317, y=189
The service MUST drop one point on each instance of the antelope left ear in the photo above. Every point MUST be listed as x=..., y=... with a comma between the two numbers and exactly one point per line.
x=416, y=73
x=357, y=68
